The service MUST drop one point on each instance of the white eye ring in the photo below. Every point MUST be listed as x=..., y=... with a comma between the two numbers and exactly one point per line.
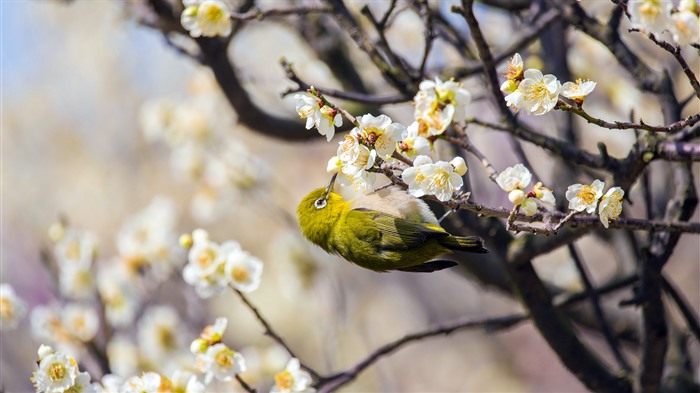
x=320, y=203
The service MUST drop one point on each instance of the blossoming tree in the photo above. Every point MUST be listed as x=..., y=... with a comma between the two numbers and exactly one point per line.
x=527, y=81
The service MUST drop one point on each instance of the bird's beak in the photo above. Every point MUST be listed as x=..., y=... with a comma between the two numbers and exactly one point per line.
x=330, y=186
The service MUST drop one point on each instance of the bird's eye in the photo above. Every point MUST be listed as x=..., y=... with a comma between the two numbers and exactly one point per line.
x=320, y=203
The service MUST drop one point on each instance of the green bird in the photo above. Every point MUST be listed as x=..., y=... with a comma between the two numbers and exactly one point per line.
x=386, y=230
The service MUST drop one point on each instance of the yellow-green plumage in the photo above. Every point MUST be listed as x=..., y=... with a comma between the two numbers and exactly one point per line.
x=358, y=231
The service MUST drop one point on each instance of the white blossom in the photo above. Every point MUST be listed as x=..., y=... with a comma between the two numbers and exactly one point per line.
x=148, y=238
x=76, y=282
x=244, y=270
x=12, y=307
x=118, y=292
x=412, y=144
x=515, y=68
x=123, y=355
x=428, y=178
x=380, y=133
x=159, y=333
x=513, y=178
x=318, y=114
x=537, y=94
x=148, y=383
x=220, y=362
x=584, y=197
x=208, y=18
x=76, y=248
x=438, y=94
x=578, y=90
x=685, y=27
x=650, y=15
x=293, y=379
x=80, y=321
x=56, y=373
x=610, y=206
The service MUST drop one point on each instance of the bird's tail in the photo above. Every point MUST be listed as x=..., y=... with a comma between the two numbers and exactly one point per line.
x=464, y=243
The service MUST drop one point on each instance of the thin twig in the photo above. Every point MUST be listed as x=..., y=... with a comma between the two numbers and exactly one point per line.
x=244, y=385
x=609, y=335
x=427, y=16
x=676, y=52
x=271, y=332
x=259, y=14
x=619, y=125
x=465, y=143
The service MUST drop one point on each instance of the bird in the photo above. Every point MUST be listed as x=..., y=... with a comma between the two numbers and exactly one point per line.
x=385, y=230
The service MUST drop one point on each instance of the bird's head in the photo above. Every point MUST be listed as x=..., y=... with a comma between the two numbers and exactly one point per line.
x=318, y=213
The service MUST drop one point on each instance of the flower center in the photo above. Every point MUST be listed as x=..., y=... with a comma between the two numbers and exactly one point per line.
x=240, y=274
x=166, y=337
x=284, y=380
x=538, y=91
x=57, y=371
x=6, y=309
x=73, y=250
x=224, y=359
x=206, y=257
x=439, y=180
x=587, y=195
x=214, y=13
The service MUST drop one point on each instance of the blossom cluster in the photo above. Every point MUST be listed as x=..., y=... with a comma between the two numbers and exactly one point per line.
x=589, y=196
x=69, y=327
x=377, y=138
x=214, y=358
x=514, y=180
x=438, y=104
x=441, y=179
x=201, y=148
x=658, y=17
x=212, y=266
x=537, y=94
x=581, y=197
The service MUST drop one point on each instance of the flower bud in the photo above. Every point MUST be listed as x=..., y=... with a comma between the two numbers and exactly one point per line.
x=185, y=240
x=334, y=165
x=459, y=165
x=517, y=196
x=529, y=207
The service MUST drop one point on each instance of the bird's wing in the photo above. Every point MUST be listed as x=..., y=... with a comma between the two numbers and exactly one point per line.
x=393, y=233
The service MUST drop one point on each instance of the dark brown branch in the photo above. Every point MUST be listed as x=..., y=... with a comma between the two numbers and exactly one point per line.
x=336, y=381
x=655, y=338
x=396, y=60
x=691, y=318
x=610, y=338
x=678, y=151
x=347, y=22
x=527, y=37
x=554, y=145
x=350, y=96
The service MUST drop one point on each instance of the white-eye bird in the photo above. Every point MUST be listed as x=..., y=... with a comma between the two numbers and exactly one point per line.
x=385, y=230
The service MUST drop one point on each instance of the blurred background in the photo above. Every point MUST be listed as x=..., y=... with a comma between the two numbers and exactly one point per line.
x=84, y=90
